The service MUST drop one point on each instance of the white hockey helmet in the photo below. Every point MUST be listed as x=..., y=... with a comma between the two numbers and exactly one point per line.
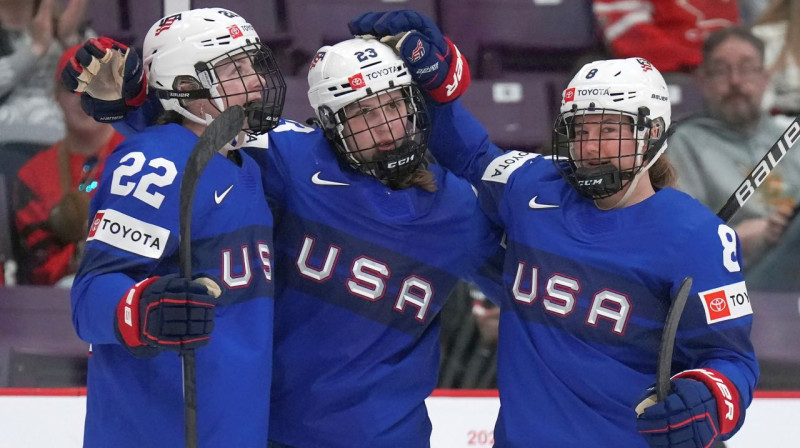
x=358, y=69
x=191, y=45
x=611, y=89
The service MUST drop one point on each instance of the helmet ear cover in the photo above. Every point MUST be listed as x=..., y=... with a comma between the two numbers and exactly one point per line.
x=327, y=118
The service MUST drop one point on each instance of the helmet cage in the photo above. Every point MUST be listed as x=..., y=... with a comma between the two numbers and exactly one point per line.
x=393, y=166
x=265, y=82
x=595, y=176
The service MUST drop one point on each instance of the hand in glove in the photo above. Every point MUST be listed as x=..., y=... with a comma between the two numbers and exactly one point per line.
x=702, y=407
x=109, y=77
x=169, y=312
x=435, y=63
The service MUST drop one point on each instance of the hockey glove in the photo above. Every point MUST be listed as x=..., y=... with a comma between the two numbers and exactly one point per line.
x=109, y=77
x=703, y=407
x=167, y=312
x=436, y=64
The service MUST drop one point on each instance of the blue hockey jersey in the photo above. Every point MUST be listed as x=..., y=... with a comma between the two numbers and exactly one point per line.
x=362, y=274
x=586, y=293
x=138, y=402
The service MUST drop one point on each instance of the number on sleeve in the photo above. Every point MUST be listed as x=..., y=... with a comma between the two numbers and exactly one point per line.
x=730, y=259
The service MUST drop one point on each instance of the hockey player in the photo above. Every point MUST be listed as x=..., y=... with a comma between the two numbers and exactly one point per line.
x=371, y=237
x=597, y=244
x=128, y=300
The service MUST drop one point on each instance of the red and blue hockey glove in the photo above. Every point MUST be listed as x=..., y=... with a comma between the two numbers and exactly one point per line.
x=435, y=63
x=702, y=408
x=167, y=312
x=109, y=77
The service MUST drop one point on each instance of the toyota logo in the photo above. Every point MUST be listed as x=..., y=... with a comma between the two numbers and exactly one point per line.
x=717, y=304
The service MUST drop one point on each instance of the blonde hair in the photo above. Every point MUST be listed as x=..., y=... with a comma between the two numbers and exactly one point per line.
x=784, y=11
x=662, y=173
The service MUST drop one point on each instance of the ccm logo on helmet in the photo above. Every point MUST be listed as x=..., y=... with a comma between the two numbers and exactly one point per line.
x=400, y=162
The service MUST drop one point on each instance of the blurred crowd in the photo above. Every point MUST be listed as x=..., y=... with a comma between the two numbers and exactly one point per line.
x=741, y=59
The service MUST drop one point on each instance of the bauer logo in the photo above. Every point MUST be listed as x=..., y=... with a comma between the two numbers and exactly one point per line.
x=235, y=31
x=728, y=302
x=569, y=95
x=357, y=81
x=128, y=233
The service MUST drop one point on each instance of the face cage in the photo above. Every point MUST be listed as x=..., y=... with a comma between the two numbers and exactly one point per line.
x=262, y=114
x=596, y=177
x=394, y=166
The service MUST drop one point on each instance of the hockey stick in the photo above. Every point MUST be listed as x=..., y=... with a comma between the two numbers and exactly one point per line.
x=663, y=371
x=219, y=133
x=762, y=169
x=734, y=203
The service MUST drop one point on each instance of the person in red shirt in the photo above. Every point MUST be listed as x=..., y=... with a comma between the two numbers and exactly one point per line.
x=668, y=33
x=53, y=189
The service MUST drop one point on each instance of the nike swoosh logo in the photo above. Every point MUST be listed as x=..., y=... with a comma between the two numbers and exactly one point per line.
x=535, y=205
x=317, y=181
x=219, y=197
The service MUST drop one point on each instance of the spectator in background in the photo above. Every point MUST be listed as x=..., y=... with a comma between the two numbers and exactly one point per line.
x=714, y=152
x=779, y=28
x=668, y=33
x=53, y=191
x=32, y=36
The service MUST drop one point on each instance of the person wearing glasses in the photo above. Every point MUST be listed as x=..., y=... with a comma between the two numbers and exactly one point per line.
x=714, y=151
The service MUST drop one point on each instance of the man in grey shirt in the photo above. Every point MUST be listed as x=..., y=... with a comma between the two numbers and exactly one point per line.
x=714, y=152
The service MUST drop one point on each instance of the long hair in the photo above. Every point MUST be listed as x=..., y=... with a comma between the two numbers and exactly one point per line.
x=662, y=173
x=422, y=178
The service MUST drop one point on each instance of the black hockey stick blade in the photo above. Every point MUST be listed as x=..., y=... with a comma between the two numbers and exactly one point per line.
x=664, y=369
x=760, y=172
x=219, y=133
